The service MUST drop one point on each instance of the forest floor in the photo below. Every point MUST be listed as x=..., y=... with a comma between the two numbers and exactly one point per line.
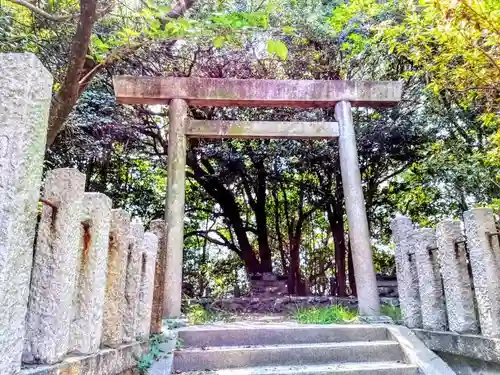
x=335, y=314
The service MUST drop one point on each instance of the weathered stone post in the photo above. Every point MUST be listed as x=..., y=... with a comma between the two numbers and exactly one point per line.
x=55, y=268
x=147, y=284
x=174, y=210
x=133, y=280
x=406, y=269
x=158, y=228
x=25, y=95
x=86, y=327
x=429, y=281
x=456, y=280
x=359, y=234
x=115, y=305
x=485, y=260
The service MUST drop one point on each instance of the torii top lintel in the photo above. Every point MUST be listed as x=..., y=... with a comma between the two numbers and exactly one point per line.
x=255, y=92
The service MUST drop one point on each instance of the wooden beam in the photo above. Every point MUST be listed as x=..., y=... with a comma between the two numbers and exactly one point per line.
x=262, y=129
x=255, y=92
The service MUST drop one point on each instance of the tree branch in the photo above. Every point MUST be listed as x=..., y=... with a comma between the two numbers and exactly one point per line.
x=73, y=86
x=56, y=18
x=223, y=240
x=67, y=96
x=43, y=13
x=396, y=172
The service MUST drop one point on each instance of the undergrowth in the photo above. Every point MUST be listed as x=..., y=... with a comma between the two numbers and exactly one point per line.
x=197, y=315
x=340, y=314
x=154, y=353
x=391, y=311
x=326, y=315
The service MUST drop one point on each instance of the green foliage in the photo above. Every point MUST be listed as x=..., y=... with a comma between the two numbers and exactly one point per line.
x=199, y=315
x=449, y=46
x=391, y=311
x=278, y=48
x=179, y=344
x=434, y=155
x=154, y=354
x=384, y=262
x=326, y=315
x=173, y=324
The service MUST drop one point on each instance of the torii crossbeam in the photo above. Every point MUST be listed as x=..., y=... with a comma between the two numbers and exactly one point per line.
x=181, y=92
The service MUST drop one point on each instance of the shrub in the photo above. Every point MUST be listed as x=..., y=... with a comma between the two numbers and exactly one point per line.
x=326, y=315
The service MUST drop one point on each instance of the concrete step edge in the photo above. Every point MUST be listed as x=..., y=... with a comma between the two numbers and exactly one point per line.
x=243, y=348
x=377, y=368
x=223, y=326
x=279, y=334
x=196, y=359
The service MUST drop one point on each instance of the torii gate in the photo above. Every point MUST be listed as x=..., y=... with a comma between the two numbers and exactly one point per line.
x=181, y=92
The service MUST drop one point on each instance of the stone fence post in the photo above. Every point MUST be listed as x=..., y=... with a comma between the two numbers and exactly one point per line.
x=55, y=268
x=484, y=254
x=158, y=228
x=133, y=280
x=115, y=305
x=456, y=280
x=25, y=96
x=406, y=269
x=147, y=284
x=429, y=281
x=88, y=306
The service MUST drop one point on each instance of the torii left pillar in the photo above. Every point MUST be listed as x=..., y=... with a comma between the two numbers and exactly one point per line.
x=174, y=207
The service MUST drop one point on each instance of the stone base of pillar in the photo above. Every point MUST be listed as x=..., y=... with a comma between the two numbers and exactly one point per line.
x=381, y=319
x=116, y=361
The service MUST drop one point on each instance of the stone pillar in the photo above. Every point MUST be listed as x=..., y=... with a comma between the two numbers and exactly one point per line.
x=114, y=304
x=406, y=269
x=55, y=268
x=133, y=280
x=174, y=209
x=359, y=234
x=25, y=95
x=429, y=281
x=158, y=228
x=456, y=280
x=485, y=260
x=147, y=284
x=88, y=305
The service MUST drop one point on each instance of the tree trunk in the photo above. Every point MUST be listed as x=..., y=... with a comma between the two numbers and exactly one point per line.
x=82, y=70
x=225, y=198
x=352, y=279
x=339, y=233
x=291, y=271
x=203, y=271
x=252, y=265
x=67, y=96
x=89, y=171
x=279, y=235
x=336, y=221
x=261, y=219
x=295, y=274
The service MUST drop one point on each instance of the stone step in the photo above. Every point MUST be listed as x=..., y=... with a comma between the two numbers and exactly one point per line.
x=268, y=289
x=376, y=368
x=278, y=334
x=230, y=357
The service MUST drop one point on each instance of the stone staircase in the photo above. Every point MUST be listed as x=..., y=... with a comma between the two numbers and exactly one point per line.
x=279, y=349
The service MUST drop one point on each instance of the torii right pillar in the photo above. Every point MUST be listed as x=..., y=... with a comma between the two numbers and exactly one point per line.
x=359, y=233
